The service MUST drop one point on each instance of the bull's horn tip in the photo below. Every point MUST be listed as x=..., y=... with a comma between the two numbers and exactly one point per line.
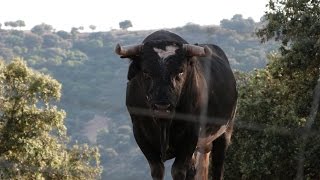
x=118, y=49
x=207, y=51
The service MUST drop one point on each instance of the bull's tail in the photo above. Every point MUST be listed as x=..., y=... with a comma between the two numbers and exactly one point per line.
x=202, y=165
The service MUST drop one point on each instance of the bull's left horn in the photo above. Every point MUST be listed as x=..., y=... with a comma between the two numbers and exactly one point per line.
x=126, y=51
x=194, y=50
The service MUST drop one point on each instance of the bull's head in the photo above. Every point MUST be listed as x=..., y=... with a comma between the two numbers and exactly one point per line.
x=163, y=68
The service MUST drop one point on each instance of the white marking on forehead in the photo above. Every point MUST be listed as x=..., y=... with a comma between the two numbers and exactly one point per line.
x=163, y=54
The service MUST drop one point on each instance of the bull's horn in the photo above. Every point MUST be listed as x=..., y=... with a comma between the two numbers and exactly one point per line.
x=194, y=50
x=126, y=51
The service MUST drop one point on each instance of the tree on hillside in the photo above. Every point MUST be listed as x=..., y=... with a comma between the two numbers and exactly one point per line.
x=64, y=34
x=125, y=24
x=50, y=40
x=92, y=27
x=14, y=40
x=192, y=27
x=277, y=102
x=32, y=41
x=20, y=24
x=6, y=53
x=74, y=32
x=81, y=28
x=42, y=28
x=12, y=24
x=238, y=23
x=32, y=133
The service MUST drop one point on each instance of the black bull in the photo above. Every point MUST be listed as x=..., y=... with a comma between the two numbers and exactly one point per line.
x=182, y=100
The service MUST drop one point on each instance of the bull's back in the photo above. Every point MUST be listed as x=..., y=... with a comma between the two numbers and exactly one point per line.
x=222, y=93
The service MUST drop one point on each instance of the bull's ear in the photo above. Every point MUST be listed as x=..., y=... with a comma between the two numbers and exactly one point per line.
x=191, y=60
x=134, y=67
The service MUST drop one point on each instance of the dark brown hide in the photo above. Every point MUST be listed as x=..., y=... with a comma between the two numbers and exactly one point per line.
x=177, y=99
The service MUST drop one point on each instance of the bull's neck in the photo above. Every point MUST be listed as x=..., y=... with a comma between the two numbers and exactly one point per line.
x=194, y=92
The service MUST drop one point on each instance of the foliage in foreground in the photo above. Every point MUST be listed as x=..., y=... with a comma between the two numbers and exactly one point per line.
x=272, y=112
x=275, y=102
x=32, y=134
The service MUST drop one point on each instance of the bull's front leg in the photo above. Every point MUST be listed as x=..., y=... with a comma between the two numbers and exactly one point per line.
x=153, y=157
x=157, y=170
x=183, y=169
x=151, y=154
x=154, y=160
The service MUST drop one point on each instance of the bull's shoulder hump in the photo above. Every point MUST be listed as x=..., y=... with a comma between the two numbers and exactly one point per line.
x=164, y=35
x=216, y=50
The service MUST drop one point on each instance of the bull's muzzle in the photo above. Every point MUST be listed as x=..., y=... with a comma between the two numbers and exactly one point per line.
x=162, y=110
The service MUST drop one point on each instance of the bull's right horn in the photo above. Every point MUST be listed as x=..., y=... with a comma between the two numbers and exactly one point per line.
x=194, y=50
x=126, y=51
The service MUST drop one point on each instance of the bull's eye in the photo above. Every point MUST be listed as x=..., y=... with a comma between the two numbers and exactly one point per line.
x=181, y=72
x=179, y=75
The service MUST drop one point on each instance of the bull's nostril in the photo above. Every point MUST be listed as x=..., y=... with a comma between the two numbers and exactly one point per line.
x=162, y=106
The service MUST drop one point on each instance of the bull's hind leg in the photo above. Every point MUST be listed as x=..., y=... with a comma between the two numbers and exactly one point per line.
x=219, y=148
